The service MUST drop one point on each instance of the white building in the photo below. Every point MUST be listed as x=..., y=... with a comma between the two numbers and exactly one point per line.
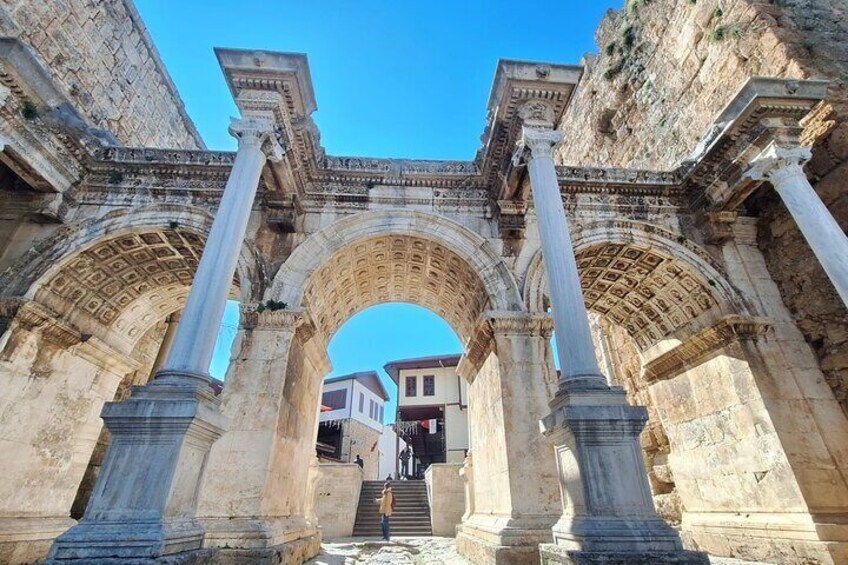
x=432, y=408
x=351, y=421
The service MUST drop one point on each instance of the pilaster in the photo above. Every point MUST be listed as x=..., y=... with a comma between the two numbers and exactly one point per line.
x=513, y=382
x=254, y=501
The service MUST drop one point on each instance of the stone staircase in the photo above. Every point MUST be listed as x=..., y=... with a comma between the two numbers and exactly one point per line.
x=411, y=516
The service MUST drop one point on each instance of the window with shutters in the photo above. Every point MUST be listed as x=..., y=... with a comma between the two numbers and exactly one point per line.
x=334, y=399
x=429, y=388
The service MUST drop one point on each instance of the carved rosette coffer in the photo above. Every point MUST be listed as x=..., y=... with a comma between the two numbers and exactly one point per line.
x=699, y=347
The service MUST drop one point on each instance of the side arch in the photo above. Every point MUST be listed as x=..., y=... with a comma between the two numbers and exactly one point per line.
x=118, y=275
x=644, y=277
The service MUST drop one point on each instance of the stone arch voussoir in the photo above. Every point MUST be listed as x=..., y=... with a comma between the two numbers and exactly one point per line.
x=291, y=282
x=703, y=277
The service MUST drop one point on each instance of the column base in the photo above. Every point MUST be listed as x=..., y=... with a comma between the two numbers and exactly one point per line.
x=615, y=535
x=551, y=554
x=195, y=557
x=507, y=542
x=100, y=542
x=290, y=553
x=793, y=539
x=28, y=539
x=256, y=533
x=142, y=508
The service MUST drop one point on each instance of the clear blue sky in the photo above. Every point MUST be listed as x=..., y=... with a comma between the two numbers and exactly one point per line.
x=392, y=79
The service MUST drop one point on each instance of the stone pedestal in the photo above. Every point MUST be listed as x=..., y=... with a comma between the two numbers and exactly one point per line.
x=142, y=509
x=609, y=514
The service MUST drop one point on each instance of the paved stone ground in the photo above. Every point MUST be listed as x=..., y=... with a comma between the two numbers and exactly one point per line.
x=414, y=551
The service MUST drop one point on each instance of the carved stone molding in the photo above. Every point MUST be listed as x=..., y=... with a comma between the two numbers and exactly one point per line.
x=494, y=323
x=719, y=226
x=256, y=317
x=537, y=113
x=32, y=316
x=700, y=346
x=777, y=162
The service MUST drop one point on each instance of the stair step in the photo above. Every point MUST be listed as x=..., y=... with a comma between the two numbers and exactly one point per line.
x=410, y=518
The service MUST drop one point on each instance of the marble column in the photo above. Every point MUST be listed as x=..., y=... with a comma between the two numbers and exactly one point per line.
x=608, y=512
x=783, y=167
x=144, y=503
x=578, y=365
x=171, y=323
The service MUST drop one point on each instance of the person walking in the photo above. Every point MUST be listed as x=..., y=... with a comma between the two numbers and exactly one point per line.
x=404, y=462
x=387, y=506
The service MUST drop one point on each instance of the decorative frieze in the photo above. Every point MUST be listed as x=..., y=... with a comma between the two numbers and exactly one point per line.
x=697, y=348
x=32, y=316
x=258, y=316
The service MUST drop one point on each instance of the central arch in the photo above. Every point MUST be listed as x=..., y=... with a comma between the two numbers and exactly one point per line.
x=400, y=256
x=280, y=359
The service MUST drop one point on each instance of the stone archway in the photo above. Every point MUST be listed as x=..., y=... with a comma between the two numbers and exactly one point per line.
x=290, y=283
x=724, y=399
x=83, y=315
x=351, y=264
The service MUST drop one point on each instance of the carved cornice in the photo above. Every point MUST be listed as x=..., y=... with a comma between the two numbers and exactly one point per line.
x=521, y=90
x=765, y=110
x=699, y=347
x=258, y=317
x=34, y=317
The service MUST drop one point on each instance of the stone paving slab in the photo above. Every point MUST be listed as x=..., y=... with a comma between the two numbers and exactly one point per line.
x=416, y=551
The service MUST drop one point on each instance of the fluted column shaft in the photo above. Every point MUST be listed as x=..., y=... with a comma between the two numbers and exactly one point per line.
x=571, y=323
x=783, y=167
x=194, y=342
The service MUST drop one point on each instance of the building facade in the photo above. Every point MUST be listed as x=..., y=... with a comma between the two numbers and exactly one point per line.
x=432, y=411
x=351, y=420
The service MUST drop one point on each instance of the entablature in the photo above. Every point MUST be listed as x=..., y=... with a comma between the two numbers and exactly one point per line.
x=764, y=111
x=93, y=170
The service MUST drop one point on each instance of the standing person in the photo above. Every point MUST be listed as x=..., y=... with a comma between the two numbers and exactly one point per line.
x=404, y=462
x=387, y=506
x=359, y=461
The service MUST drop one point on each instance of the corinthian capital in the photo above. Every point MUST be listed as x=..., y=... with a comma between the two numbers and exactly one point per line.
x=257, y=132
x=540, y=141
x=778, y=162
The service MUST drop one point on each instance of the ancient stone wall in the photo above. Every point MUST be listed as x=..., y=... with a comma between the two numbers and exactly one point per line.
x=446, y=490
x=337, y=498
x=665, y=70
x=359, y=440
x=100, y=53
